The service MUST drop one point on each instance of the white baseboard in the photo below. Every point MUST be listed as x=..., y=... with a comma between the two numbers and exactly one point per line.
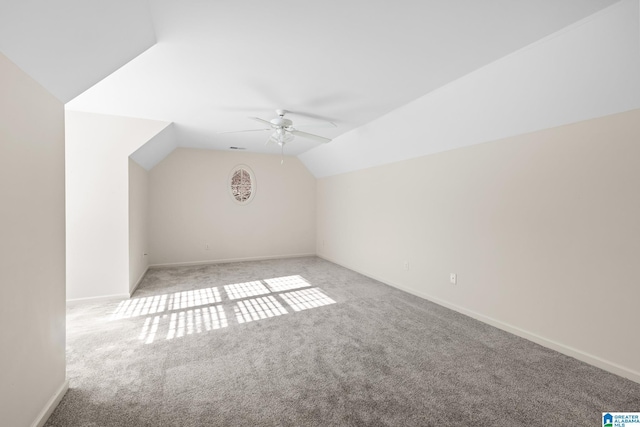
x=98, y=298
x=51, y=405
x=132, y=291
x=228, y=260
x=596, y=361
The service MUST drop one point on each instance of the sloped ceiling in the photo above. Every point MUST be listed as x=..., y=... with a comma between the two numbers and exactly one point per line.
x=69, y=45
x=587, y=70
x=156, y=149
x=217, y=62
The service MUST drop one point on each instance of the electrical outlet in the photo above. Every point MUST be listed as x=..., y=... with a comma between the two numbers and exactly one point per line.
x=406, y=265
x=453, y=278
x=206, y=246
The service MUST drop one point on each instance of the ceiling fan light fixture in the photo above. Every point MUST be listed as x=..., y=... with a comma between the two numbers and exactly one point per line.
x=283, y=137
x=283, y=130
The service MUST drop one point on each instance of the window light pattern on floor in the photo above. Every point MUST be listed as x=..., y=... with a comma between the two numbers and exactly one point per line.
x=196, y=321
x=140, y=307
x=245, y=290
x=286, y=283
x=306, y=298
x=194, y=298
x=149, y=329
x=200, y=310
x=157, y=304
x=258, y=308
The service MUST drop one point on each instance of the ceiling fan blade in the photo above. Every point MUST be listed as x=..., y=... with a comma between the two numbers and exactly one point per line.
x=309, y=115
x=317, y=125
x=310, y=136
x=247, y=130
x=258, y=119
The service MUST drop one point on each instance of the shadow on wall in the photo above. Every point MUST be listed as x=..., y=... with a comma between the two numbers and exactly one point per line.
x=200, y=310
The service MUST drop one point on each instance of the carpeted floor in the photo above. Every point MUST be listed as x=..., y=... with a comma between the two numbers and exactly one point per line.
x=303, y=342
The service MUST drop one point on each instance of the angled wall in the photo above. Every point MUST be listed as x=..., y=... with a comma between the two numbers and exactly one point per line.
x=32, y=253
x=97, y=185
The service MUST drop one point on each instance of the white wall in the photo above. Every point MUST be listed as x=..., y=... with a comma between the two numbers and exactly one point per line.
x=32, y=266
x=138, y=221
x=542, y=230
x=190, y=207
x=585, y=71
x=97, y=185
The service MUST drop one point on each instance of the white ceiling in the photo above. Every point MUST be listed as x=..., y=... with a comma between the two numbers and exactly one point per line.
x=587, y=70
x=69, y=45
x=217, y=62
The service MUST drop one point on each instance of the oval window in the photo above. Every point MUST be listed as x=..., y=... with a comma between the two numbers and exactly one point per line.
x=242, y=184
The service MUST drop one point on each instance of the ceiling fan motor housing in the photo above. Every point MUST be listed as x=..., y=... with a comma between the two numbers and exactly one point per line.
x=281, y=122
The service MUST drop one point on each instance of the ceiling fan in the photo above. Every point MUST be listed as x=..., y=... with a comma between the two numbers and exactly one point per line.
x=284, y=131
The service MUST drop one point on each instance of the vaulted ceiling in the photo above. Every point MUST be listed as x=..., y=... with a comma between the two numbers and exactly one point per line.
x=206, y=66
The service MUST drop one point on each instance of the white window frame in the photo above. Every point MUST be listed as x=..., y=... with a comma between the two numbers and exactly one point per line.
x=252, y=177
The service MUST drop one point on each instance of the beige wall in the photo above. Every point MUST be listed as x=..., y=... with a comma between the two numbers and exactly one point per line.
x=190, y=207
x=542, y=229
x=138, y=217
x=32, y=256
x=97, y=182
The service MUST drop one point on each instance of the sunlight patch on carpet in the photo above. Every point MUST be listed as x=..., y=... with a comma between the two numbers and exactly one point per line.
x=244, y=290
x=258, y=308
x=286, y=283
x=136, y=307
x=191, y=312
x=306, y=299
